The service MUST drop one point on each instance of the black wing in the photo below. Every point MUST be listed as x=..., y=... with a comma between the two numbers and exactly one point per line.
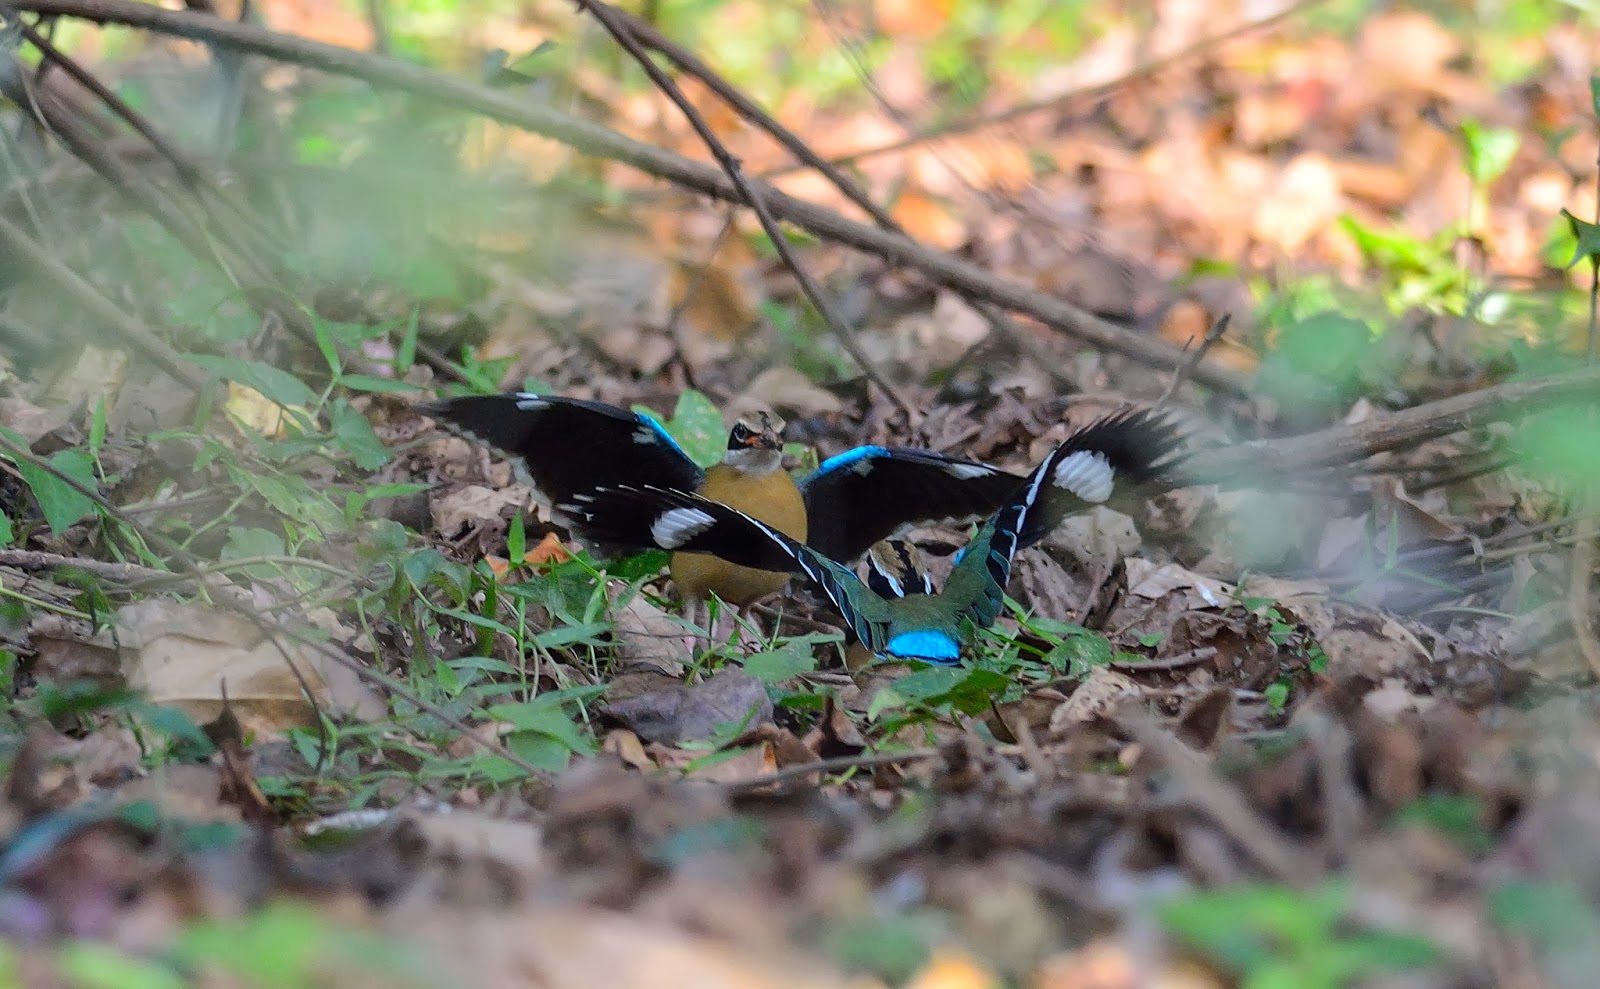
x=568, y=445
x=864, y=495
x=630, y=517
x=976, y=586
x=1111, y=454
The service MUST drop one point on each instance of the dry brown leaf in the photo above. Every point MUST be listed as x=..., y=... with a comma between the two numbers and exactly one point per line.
x=1301, y=203
x=1098, y=696
x=625, y=745
x=928, y=221
x=717, y=299
x=645, y=636
x=787, y=389
x=96, y=374
x=742, y=766
x=181, y=655
x=33, y=423
x=1148, y=580
x=255, y=411
x=1101, y=537
x=676, y=713
x=476, y=507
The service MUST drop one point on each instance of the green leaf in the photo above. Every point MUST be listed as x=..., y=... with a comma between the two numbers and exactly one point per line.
x=698, y=427
x=278, y=385
x=7, y=535
x=60, y=503
x=543, y=750
x=1489, y=150
x=1588, y=236
x=97, y=428
x=364, y=382
x=1559, y=444
x=935, y=681
x=777, y=665
x=517, y=540
x=88, y=965
x=1327, y=343
x=566, y=635
x=1552, y=913
x=544, y=716
x=354, y=434
x=245, y=542
x=1080, y=653
x=646, y=564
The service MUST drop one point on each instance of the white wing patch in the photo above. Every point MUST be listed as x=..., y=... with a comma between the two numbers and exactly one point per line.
x=966, y=472
x=679, y=525
x=645, y=436
x=1086, y=474
x=528, y=402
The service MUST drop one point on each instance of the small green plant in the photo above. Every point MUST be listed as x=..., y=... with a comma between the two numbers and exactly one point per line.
x=1275, y=937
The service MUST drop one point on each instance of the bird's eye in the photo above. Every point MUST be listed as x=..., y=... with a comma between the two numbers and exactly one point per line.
x=740, y=431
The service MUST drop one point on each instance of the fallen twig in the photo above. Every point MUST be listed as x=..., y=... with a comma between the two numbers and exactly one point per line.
x=1193, y=360
x=1356, y=441
x=1259, y=838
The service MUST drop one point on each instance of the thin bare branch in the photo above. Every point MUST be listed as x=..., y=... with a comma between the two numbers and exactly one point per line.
x=1187, y=367
x=139, y=337
x=589, y=138
x=620, y=31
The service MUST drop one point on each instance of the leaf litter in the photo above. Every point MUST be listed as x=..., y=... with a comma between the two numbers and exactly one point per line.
x=1382, y=742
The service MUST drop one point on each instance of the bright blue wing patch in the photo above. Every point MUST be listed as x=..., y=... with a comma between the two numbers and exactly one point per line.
x=931, y=646
x=661, y=431
x=845, y=459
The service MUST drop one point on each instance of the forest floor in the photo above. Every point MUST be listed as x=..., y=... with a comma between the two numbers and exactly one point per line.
x=306, y=691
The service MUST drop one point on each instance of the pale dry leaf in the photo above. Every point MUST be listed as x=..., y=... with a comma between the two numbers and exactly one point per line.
x=1098, y=696
x=1393, y=698
x=788, y=389
x=583, y=948
x=97, y=373
x=182, y=654
x=625, y=745
x=949, y=969
x=1100, y=537
x=750, y=763
x=646, y=636
x=1371, y=646
x=475, y=507
x=255, y=411
x=1148, y=580
x=1304, y=201
x=32, y=422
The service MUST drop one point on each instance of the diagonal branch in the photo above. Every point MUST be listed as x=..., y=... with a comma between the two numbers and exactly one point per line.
x=621, y=32
x=1351, y=443
x=599, y=141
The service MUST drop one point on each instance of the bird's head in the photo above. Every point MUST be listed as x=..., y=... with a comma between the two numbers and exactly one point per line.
x=755, y=443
